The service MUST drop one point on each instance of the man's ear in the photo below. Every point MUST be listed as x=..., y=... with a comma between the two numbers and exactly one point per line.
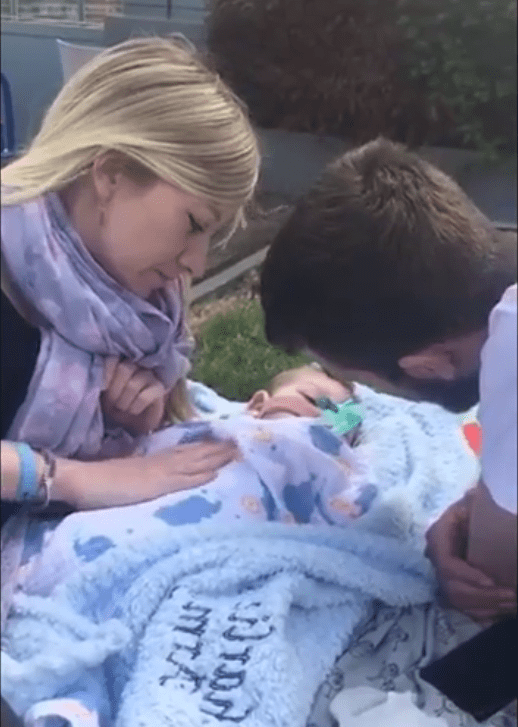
x=429, y=364
x=257, y=401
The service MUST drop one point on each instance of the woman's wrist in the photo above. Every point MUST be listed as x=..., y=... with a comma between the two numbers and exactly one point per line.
x=92, y=485
x=83, y=485
x=68, y=481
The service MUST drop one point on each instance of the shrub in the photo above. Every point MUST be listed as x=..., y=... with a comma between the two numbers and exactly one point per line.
x=418, y=71
x=464, y=53
x=317, y=66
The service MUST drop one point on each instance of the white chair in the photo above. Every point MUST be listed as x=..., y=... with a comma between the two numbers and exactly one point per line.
x=74, y=56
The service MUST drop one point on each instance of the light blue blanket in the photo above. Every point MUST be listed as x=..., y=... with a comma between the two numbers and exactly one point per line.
x=203, y=625
x=206, y=628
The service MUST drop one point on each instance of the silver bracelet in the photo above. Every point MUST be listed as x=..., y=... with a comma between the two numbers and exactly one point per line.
x=46, y=479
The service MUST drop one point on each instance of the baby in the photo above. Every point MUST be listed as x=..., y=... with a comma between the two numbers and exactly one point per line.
x=276, y=452
x=294, y=468
x=296, y=393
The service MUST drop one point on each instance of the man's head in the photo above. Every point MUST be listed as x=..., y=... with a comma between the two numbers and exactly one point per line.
x=386, y=269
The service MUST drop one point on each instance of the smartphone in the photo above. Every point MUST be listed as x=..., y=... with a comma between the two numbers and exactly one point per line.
x=481, y=675
x=8, y=717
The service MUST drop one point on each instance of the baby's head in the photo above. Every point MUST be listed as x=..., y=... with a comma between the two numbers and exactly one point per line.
x=293, y=393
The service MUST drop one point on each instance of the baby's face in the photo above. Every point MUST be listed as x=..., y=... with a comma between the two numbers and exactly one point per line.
x=294, y=398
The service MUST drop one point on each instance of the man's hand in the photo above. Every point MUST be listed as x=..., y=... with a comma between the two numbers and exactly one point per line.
x=466, y=588
x=133, y=397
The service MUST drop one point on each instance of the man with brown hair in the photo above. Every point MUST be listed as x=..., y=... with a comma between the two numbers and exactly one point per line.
x=388, y=274
x=386, y=267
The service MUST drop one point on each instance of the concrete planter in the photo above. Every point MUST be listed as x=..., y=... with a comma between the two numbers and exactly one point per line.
x=292, y=161
x=493, y=189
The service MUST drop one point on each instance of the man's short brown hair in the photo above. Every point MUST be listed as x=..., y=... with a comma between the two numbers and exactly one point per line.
x=383, y=257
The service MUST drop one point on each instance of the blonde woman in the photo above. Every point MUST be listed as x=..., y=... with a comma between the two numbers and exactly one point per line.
x=143, y=157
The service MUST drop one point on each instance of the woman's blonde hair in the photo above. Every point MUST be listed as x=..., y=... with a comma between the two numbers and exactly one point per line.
x=155, y=104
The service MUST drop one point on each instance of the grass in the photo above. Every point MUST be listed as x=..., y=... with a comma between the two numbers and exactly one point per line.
x=233, y=356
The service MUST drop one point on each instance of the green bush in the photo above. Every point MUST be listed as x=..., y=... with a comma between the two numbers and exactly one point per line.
x=464, y=53
x=318, y=66
x=440, y=72
x=233, y=356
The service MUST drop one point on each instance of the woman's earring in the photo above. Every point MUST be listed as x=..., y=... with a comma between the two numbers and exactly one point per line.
x=101, y=217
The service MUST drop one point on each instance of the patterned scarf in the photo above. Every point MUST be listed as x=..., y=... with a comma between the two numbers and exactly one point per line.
x=83, y=315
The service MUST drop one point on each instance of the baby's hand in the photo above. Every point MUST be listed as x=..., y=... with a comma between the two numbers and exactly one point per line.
x=133, y=397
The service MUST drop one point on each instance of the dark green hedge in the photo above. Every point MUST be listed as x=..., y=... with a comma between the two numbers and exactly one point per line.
x=420, y=71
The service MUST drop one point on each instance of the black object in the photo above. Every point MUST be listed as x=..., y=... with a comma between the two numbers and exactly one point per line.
x=8, y=143
x=323, y=402
x=19, y=353
x=481, y=675
x=8, y=717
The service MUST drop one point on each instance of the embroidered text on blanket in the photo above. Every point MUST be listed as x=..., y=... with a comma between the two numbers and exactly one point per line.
x=245, y=624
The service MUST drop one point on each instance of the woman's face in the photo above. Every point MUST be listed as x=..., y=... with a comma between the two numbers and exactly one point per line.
x=145, y=236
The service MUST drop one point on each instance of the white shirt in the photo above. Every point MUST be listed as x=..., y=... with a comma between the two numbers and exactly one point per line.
x=498, y=403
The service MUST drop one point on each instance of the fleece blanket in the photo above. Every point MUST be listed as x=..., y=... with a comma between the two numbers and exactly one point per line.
x=207, y=625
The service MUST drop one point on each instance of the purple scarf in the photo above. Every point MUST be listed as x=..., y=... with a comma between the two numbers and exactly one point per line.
x=84, y=315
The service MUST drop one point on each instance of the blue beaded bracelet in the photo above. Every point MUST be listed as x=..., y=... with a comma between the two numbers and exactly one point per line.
x=28, y=481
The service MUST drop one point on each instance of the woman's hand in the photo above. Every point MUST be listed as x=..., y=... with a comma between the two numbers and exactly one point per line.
x=133, y=397
x=91, y=485
x=466, y=588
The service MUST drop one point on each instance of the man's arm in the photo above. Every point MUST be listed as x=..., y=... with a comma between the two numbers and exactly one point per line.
x=492, y=538
x=482, y=527
x=492, y=533
x=465, y=587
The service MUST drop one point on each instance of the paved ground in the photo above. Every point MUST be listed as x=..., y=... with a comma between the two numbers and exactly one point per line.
x=262, y=226
x=263, y=223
